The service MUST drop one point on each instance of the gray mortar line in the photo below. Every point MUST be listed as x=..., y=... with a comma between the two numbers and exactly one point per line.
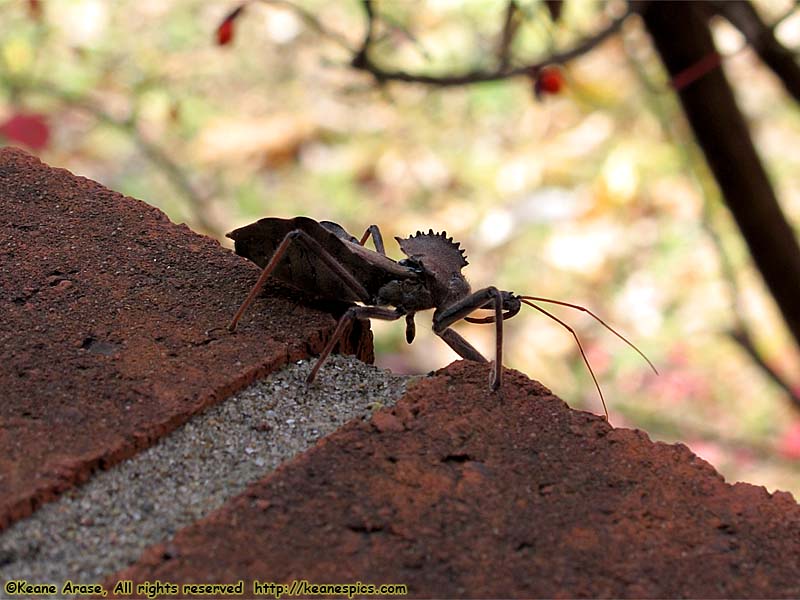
x=105, y=524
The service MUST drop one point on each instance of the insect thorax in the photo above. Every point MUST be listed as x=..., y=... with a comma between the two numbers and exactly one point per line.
x=409, y=294
x=455, y=288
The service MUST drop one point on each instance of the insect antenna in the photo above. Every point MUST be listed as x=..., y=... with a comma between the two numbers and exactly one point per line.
x=603, y=323
x=580, y=347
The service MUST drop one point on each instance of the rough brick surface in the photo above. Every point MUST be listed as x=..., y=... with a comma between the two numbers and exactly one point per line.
x=459, y=492
x=112, y=330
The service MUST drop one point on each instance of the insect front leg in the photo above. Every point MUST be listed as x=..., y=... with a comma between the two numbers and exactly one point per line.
x=411, y=328
x=299, y=236
x=354, y=312
x=377, y=238
x=461, y=346
x=444, y=318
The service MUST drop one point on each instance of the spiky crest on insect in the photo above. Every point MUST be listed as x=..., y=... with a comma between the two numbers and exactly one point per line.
x=436, y=247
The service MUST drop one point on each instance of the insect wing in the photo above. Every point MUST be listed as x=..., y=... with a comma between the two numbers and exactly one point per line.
x=301, y=268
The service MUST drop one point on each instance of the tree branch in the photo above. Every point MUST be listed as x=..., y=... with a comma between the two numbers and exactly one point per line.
x=761, y=37
x=742, y=337
x=364, y=62
x=740, y=333
x=682, y=37
x=507, y=33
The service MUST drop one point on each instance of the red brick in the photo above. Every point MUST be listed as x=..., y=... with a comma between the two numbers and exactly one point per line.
x=112, y=330
x=495, y=495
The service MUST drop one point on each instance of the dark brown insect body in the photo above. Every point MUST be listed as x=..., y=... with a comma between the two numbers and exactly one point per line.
x=324, y=261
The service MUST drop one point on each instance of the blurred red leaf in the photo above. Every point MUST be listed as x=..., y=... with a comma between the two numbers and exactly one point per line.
x=225, y=33
x=30, y=129
x=225, y=29
x=789, y=445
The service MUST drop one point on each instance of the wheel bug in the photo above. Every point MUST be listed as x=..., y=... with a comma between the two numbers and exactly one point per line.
x=325, y=262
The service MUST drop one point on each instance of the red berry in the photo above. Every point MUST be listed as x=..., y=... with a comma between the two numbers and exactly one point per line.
x=550, y=81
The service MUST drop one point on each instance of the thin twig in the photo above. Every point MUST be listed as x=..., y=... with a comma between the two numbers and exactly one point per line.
x=785, y=15
x=742, y=337
x=393, y=26
x=363, y=61
x=179, y=179
x=511, y=23
x=313, y=22
x=740, y=333
x=151, y=151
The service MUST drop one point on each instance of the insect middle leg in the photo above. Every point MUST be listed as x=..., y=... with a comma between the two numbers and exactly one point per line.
x=443, y=319
x=354, y=312
x=377, y=238
x=299, y=236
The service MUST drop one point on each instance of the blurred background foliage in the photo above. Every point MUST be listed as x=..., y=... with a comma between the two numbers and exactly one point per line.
x=592, y=193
